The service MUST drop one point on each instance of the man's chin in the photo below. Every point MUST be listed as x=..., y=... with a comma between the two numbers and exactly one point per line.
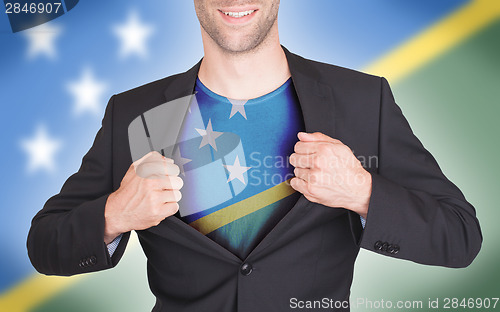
x=239, y=46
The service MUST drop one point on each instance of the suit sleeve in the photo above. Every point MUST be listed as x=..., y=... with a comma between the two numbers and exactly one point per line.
x=415, y=212
x=67, y=236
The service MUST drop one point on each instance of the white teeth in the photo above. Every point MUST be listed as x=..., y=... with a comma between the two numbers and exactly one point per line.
x=239, y=14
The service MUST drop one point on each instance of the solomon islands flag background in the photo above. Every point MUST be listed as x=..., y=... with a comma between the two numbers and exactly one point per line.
x=441, y=58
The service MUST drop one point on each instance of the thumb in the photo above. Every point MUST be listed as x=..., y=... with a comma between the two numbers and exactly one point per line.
x=147, y=157
x=152, y=156
x=316, y=137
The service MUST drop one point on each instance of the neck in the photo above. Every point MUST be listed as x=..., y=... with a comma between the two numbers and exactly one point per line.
x=245, y=75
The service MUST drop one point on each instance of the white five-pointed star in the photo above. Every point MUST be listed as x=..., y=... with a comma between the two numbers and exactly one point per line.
x=238, y=107
x=180, y=161
x=236, y=171
x=133, y=35
x=41, y=149
x=209, y=135
x=42, y=39
x=87, y=93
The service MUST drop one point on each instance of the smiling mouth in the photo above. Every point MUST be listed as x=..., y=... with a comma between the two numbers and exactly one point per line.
x=238, y=14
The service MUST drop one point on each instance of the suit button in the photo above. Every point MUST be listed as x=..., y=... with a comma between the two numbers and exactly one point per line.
x=81, y=264
x=246, y=269
x=390, y=249
x=93, y=260
x=396, y=249
x=87, y=262
x=378, y=245
x=384, y=246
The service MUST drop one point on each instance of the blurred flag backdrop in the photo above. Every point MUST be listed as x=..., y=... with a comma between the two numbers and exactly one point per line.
x=441, y=58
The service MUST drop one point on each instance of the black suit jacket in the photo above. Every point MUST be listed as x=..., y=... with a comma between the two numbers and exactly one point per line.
x=415, y=212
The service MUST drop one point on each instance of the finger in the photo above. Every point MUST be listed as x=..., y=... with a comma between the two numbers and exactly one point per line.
x=301, y=173
x=298, y=184
x=170, y=160
x=302, y=186
x=316, y=137
x=172, y=169
x=302, y=147
x=301, y=160
x=151, y=157
x=132, y=170
x=171, y=208
x=171, y=183
x=313, y=147
x=312, y=177
x=157, y=169
x=153, y=154
x=171, y=196
x=156, y=158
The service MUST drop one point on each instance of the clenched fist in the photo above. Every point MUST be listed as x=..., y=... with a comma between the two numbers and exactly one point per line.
x=148, y=193
x=327, y=172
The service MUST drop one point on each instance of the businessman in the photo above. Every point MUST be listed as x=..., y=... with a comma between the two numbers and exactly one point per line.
x=257, y=244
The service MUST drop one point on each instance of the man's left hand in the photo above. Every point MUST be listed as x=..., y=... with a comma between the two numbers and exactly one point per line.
x=327, y=172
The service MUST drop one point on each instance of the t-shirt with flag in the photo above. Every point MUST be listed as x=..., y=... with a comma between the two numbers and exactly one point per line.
x=234, y=160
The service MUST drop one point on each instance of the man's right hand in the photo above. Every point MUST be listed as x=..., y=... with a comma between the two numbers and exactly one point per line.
x=148, y=193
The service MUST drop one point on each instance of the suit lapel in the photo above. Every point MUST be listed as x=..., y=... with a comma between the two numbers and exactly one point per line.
x=317, y=105
x=182, y=84
x=315, y=97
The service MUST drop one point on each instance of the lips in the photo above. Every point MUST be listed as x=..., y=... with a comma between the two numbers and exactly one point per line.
x=237, y=16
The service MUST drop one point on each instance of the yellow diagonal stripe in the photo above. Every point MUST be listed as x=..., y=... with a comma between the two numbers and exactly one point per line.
x=436, y=40
x=34, y=291
x=242, y=208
